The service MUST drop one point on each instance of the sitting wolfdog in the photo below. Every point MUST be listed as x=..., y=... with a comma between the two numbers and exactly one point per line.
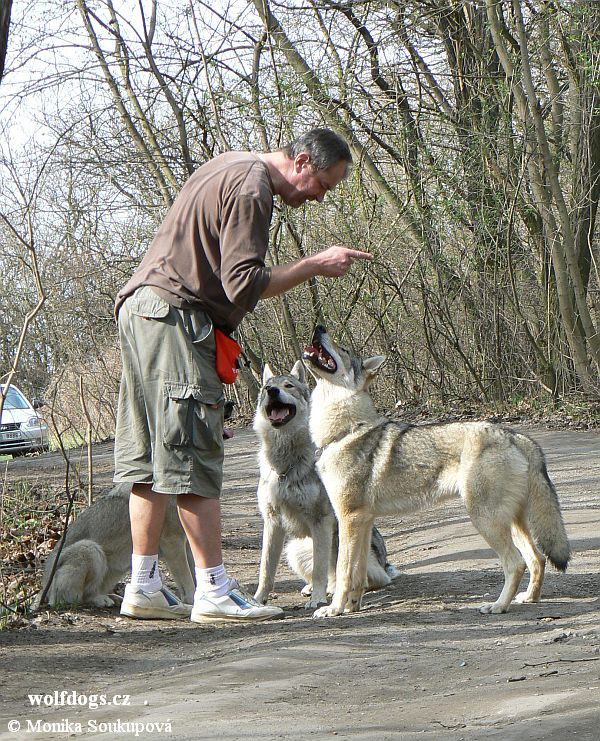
x=291, y=497
x=371, y=465
x=97, y=553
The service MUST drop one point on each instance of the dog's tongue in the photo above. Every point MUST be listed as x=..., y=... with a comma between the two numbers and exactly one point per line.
x=278, y=415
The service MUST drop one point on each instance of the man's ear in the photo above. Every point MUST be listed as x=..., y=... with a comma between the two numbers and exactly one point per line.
x=267, y=373
x=302, y=160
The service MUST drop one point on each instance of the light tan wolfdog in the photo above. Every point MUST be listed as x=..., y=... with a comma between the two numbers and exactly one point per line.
x=292, y=499
x=373, y=466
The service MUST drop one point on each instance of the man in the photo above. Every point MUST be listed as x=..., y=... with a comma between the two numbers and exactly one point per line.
x=204, y=269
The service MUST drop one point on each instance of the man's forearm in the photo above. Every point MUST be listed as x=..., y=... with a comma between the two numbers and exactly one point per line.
x=334, y=262
x=290, y=275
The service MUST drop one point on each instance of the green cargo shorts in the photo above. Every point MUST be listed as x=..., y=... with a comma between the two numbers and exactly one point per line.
x=169, y=429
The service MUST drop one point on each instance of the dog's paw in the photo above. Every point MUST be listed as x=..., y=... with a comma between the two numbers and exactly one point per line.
x=306, y=591
x=492, y=608
x=326, y=611
x=261, y=597
x=314, y=603
x=101, y=600
x=525, y=598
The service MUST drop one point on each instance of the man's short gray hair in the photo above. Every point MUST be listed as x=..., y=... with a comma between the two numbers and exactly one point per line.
x=324, y=147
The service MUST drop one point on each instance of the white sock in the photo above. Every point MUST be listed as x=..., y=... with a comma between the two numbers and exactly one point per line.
x=212, y=581
x=144, y=573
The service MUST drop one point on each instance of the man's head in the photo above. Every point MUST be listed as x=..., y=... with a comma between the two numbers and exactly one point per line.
x=323, y=146
x=314, y=164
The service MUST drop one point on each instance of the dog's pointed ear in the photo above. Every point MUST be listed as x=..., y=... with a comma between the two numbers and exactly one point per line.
x=267, y=373
x=298, y=371
x=372, y=365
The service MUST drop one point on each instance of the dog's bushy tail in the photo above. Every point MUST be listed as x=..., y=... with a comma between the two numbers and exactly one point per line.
x=544, y=515
x=299, y=555
x=392, y=571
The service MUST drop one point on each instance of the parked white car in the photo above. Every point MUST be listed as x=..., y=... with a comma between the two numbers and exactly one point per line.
x=22, y=429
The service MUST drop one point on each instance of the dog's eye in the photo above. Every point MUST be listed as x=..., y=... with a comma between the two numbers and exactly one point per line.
x=288, y=385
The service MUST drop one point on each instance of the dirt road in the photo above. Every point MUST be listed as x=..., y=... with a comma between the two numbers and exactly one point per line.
x=418, y=662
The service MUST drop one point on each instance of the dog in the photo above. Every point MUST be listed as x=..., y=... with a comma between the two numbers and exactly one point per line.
x=97, y=551
x=97, y=554
x=291, y=498
x=371, y=465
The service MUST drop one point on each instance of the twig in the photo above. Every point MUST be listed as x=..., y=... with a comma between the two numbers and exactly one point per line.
x=70, y=503
x=89, y=441
x=565, y=661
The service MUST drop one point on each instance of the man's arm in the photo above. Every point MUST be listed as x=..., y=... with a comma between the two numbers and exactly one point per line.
x=333, y=262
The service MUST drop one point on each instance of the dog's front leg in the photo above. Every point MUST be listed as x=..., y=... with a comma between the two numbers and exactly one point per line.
x=322, y=535
x=272, y=545
x=351, y=572
x=361, y=545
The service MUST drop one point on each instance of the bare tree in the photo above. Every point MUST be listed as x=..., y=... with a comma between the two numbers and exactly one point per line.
x=474, y=128
x=5, y=8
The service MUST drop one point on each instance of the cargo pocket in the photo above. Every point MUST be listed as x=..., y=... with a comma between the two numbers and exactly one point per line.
x=208, y=425
x=145, y=303
x=190, y=420
x=177, y=421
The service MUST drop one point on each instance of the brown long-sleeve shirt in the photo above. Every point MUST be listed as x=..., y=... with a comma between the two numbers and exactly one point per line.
x=209, y=251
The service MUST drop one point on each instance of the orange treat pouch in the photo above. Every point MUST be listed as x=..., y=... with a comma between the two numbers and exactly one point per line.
x=228, y=352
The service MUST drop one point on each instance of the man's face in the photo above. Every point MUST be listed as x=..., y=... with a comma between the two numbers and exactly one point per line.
x=308, y=184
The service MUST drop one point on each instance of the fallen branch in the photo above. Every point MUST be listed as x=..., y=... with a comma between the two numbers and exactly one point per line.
x=565, y=661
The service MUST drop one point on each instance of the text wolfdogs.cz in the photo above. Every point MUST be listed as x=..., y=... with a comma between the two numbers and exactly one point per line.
x=72, y=698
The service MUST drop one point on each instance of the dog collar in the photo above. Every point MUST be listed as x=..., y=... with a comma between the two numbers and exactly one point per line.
x=337, y=439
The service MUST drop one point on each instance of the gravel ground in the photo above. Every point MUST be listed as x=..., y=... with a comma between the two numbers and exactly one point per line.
x=419, y=661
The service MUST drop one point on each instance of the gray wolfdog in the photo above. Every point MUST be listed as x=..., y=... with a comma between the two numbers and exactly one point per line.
x=371, y=466
x=291, y=497
x=97, y=553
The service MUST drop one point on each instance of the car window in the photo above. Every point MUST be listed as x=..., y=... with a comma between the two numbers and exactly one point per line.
x=14, y=400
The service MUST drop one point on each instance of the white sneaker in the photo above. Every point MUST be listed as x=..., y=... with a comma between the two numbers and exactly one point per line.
x=235, y=605
x=160, y=605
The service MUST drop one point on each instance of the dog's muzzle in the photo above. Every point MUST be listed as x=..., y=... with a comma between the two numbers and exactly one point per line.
x=316, y=354
x=278, y=412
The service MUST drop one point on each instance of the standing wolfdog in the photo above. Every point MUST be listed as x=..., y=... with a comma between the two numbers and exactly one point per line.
x=291, y=497
x=372, y=466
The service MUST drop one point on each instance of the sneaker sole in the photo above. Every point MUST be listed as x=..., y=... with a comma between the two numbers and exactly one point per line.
x=152, y=613
x=195, y=618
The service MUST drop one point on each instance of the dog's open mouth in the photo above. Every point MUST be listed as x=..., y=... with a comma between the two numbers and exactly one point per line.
x=279, y=413
x=318, y=355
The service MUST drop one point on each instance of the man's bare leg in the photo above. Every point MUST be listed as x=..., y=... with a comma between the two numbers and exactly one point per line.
x=201, y=520
x=147, y=512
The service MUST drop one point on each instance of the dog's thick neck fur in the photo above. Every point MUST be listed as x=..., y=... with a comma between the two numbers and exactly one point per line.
x=337, y=412
x=279, y=450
